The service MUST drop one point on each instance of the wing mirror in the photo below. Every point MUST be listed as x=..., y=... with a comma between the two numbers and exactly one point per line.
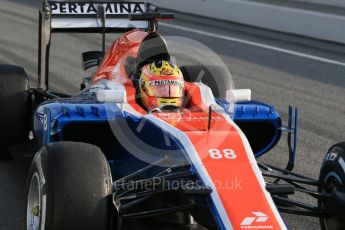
x=111, y=96
x=238, y=95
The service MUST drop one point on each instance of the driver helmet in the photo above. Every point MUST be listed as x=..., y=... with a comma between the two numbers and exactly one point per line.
x=161, y=86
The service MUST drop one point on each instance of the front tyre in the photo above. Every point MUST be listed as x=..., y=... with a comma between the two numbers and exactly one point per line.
x=332, y=186
x=69, y=188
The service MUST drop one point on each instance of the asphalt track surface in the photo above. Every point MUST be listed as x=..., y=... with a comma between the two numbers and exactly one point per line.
x=280, y=78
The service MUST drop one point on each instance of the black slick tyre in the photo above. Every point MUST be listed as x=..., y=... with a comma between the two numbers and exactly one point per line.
x=69, y=185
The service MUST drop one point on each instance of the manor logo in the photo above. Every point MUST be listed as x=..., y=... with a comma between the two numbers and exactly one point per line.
x=257, y=221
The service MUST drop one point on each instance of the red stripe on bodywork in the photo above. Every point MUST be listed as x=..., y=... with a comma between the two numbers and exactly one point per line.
x=234, y=179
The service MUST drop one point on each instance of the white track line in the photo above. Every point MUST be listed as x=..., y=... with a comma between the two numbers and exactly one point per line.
x=238, y=40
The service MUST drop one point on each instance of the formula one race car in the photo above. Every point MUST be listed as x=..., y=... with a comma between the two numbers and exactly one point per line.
x=183, y=157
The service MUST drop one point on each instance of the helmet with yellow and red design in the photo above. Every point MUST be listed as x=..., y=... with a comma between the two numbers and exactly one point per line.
x=161, y=86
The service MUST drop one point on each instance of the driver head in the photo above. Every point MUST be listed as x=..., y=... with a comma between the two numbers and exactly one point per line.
x=161, y=86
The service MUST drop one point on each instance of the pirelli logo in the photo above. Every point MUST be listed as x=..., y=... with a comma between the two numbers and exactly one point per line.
x=115, y=8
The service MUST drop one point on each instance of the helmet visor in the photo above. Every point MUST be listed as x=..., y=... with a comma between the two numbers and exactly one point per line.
x=166, y=88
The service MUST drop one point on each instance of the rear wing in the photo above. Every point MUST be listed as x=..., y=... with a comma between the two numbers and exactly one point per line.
x=84, y=17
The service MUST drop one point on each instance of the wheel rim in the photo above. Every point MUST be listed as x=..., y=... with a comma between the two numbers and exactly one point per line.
x=33, y=212
x=331, y=181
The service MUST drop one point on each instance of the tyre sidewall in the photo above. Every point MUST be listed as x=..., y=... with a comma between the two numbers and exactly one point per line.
x=38, y=166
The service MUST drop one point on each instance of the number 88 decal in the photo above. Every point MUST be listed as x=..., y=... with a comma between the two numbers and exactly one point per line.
x=225, y=153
